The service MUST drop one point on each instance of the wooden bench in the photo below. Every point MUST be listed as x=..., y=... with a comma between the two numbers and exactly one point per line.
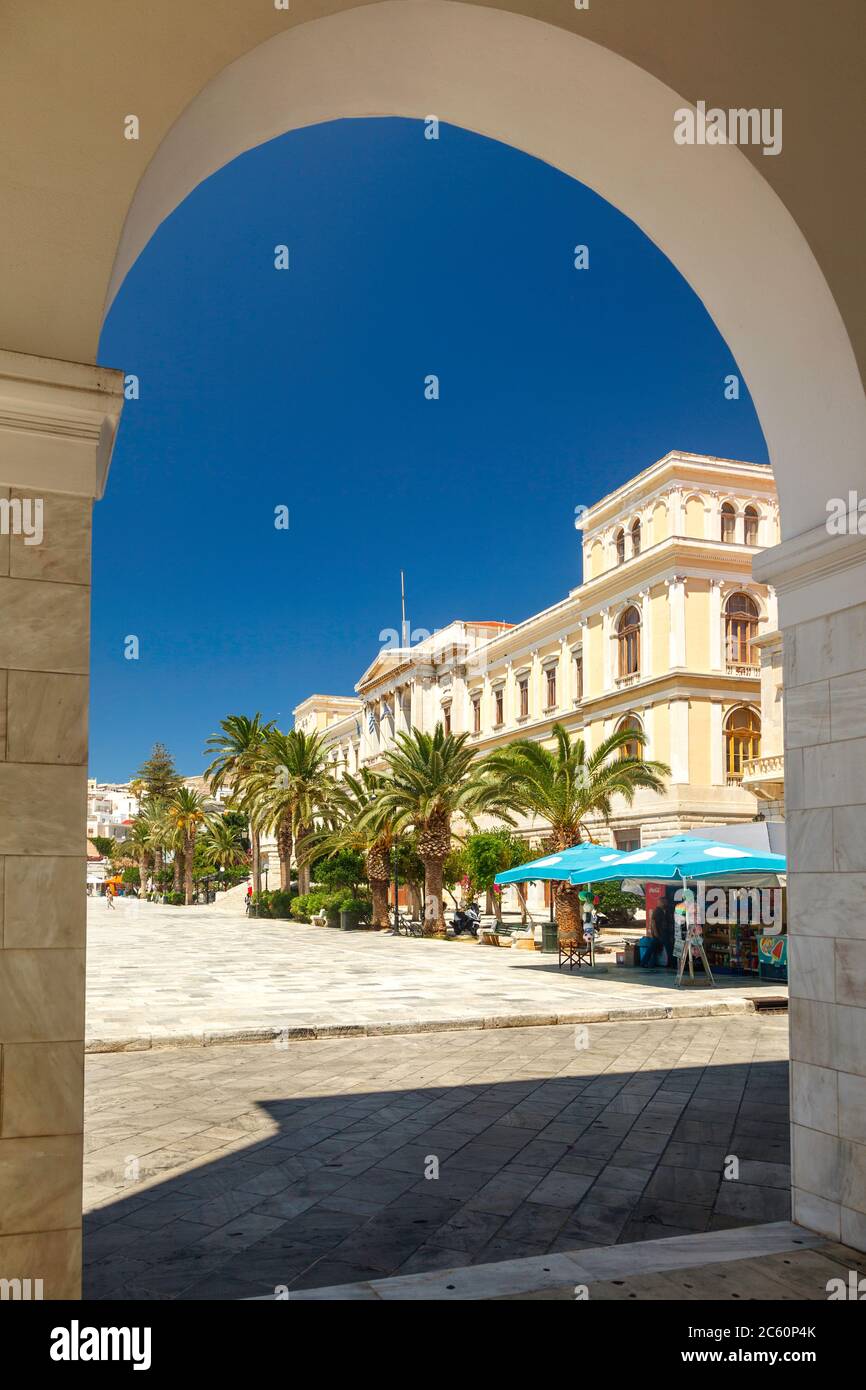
x=488, y=937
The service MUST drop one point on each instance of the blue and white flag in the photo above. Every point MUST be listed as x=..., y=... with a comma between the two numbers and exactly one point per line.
x=371, y=719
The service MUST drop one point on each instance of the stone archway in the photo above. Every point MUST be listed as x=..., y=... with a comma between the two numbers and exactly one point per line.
x=583, y=108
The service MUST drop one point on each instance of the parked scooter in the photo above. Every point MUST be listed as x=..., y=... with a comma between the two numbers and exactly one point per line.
x=466, y=920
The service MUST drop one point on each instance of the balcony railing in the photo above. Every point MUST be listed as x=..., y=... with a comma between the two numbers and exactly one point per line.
x=770, y=766
x=741, y=668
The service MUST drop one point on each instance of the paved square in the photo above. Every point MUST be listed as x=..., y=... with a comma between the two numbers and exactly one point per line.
x=160, y=972
x=225, y=1172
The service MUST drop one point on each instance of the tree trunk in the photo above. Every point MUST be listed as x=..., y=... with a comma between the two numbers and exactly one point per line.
x=434, y=915
x=303, y=861
x=142, y=874
x=414, y=900
x=379, y=894
x=568, y=914
x=178, y=870
x=188, y=857
x=284, y=853
x=257, y=859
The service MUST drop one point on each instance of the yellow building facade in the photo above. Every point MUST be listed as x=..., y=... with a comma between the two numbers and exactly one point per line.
x=664, y=634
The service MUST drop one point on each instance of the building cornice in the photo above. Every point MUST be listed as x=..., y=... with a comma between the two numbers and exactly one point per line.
x=58, y=422
x=814, y=574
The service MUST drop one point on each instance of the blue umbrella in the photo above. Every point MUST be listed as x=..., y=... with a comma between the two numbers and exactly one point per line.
x=574, y=865
x=685, y=857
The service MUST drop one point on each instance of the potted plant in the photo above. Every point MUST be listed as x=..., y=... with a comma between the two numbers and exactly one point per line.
x=332, y=909
x=352, y=911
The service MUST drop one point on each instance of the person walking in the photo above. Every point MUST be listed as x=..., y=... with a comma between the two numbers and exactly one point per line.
x=109, y=895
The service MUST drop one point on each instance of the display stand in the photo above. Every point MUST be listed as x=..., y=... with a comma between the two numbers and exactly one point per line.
x=694, y=945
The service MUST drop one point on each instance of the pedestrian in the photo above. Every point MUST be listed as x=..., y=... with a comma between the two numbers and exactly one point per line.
x=109, y=895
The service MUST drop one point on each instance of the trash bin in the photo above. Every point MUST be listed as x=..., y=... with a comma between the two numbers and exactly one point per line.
x=550, y=938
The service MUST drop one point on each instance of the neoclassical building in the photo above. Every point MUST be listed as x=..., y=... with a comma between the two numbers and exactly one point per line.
x=665, y=634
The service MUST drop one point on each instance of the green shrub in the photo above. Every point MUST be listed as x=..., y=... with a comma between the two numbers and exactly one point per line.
x=174, y=899
x=358, y=904
x=303, y=907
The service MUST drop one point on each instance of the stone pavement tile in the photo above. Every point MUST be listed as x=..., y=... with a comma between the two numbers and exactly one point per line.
x=695, y=1185
x=561, y=1190
x=330, y=1271
x=532, y=1227
x=599, y=1219
x=431, y=1256
x=216, y=1211
x=107, y=1279
x=685, y=1216
x=621, y=1179
x=505, y=1192
x=763, y=1129
x=759, y=1147
x=240, y=1231
x=468, y=1229
x=645, y=1143
x=762, y=1174
x=703, y=1131
x=754, y=1203
x=456, y=1183
x=636, y=1230
x=710, y=1157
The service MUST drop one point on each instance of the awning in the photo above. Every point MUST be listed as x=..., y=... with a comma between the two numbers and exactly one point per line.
x=574, y=865
x=687, y=857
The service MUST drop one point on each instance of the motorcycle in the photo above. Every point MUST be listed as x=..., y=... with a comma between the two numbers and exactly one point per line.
x=466, y=920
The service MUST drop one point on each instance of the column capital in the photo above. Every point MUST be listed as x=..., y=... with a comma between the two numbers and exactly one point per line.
x=58, y=422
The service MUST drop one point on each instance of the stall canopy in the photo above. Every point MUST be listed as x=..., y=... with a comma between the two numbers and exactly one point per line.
x=574, y=865
x=686, y=857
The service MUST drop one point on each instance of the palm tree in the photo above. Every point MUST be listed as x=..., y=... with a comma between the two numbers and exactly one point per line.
x=353, y=798
x=235, y=751
x=222, y=843
x=154, y=814
x=138, y=842
x=188, y=814
x=566, y=784
x=431, y=779
x=288, y=791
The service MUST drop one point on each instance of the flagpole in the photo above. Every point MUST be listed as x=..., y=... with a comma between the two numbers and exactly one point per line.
x=404, y=637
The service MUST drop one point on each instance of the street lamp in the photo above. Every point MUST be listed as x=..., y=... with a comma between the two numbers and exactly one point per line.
x=266, y=877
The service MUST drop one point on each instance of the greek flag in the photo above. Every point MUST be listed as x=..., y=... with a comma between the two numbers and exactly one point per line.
x=371, y=719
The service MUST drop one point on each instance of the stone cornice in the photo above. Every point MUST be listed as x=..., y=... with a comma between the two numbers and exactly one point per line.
x=58, y=422
x=814, y=574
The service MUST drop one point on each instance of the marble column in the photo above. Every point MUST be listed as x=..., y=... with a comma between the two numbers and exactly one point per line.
x=821, y=585
x=57, y=426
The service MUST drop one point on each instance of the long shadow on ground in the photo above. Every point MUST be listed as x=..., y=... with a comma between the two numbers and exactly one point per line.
x=341, y=1192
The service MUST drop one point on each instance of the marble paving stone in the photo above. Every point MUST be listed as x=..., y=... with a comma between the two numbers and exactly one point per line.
x=326, y=1207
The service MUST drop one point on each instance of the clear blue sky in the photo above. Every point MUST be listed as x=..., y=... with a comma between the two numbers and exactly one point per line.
x=306, y=388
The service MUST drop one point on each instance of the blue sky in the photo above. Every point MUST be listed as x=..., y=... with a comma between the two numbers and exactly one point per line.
x=305, y=388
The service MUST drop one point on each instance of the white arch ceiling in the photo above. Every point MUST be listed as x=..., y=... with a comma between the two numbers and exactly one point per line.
x=602, y=120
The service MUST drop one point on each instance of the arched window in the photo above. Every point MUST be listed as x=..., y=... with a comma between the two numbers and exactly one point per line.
x=750, y=525
x=729, y=522
x=742, y=740
x=632, y=749
x=620, y=547
x=635, y=538
x=628, y=634
x=741, y=629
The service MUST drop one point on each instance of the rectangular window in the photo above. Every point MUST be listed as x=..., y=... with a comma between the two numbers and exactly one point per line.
x=446, y=718
x=550, y=676
x=523, y=697
x=578, y=678
x=500, y=708
x=476, y=715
